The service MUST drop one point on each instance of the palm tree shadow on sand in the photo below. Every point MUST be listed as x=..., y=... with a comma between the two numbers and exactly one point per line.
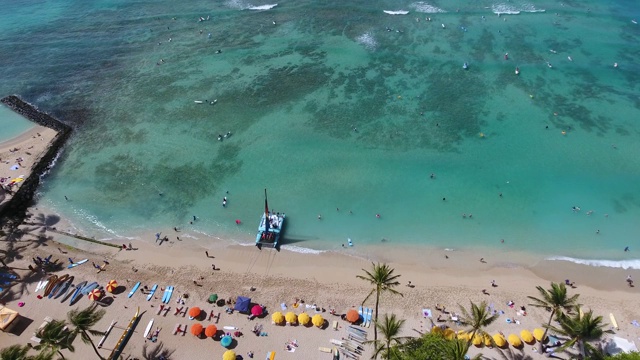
x=156, y=352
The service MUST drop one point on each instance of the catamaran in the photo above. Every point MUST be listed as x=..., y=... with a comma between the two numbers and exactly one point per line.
x=270, y=227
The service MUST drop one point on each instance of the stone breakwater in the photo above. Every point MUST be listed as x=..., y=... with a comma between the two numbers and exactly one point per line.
x=13, y=211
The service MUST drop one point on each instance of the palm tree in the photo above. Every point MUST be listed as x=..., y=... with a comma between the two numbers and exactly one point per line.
x=14, y=352
x=55, y=337
x=581, y=330
x=83, y=321
x=555, y=299
x=390, y=327
x=17, y=352
x=478, y=318
x=382, y=278
x=457, y=350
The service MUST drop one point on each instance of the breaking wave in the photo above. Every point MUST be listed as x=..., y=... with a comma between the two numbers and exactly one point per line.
x=620, y=264
x=396, y=12
x=243, y=5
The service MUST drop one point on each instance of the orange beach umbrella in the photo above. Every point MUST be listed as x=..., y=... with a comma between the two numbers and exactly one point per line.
x=95, y=294
x=353, y=316
x=194, y=312
x=196, y=329
x=112, y=285
x=211, y=330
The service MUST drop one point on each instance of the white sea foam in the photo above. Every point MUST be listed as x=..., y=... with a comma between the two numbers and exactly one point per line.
x=504, y=9
x=620, y=264
x=367, y=40
x=396, y=12
x=510, y=9
x=301, y=250
x=262, y=7
x=243, y=5
x=423, y=7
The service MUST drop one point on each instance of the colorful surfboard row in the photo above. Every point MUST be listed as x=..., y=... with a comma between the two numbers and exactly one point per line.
x=166, y=297
x=55, y=287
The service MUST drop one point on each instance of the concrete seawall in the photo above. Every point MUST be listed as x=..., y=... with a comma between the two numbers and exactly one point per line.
x=13, y=212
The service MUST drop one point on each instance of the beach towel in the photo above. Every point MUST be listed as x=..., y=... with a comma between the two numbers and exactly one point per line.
x=635, y=323
x=283, y=306
x=426, y=313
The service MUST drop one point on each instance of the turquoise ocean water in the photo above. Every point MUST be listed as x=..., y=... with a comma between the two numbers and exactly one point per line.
x=12, y=124
x=293, y=80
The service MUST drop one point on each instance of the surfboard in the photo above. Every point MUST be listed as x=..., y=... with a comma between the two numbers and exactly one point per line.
x=52, y=282
x=64, y=289
x=148, y=329
x=77, y=263
x=134, y=289
x=614, y=323
x=369, y=317
x=58, y=284
x=87, y=289
x=153, y=291
x=64, y=286
x=77, y=293
x=42, y=285
x=167, y=295
x=230, y=328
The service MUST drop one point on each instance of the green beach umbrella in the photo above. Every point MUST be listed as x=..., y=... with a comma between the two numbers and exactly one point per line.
x=213, y=298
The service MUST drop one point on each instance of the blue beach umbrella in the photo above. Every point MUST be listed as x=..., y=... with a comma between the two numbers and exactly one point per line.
x=226, y=341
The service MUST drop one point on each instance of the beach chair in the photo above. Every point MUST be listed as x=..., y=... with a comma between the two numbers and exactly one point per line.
x=184, y=312
x=336, y=342
x=166, y=310
x=178, y=311
x=324, y=349
x=180, y=329
x=160, y=308
x=335, y=325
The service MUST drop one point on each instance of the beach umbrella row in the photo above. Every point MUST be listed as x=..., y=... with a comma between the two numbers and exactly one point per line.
x=292, y=318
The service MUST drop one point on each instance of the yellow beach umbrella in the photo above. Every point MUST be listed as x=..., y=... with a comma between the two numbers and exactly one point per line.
x=436, y=330
x=527, y=337
x=304, y=319
x=317, y=320
x=514, y=340
x=477, y=340
x=487, y=340
x=291, y=318
x=538, y=334
x=277, y=317
x=449, y=334
x=500, y=341
x=463, y=335
x=229, y=355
